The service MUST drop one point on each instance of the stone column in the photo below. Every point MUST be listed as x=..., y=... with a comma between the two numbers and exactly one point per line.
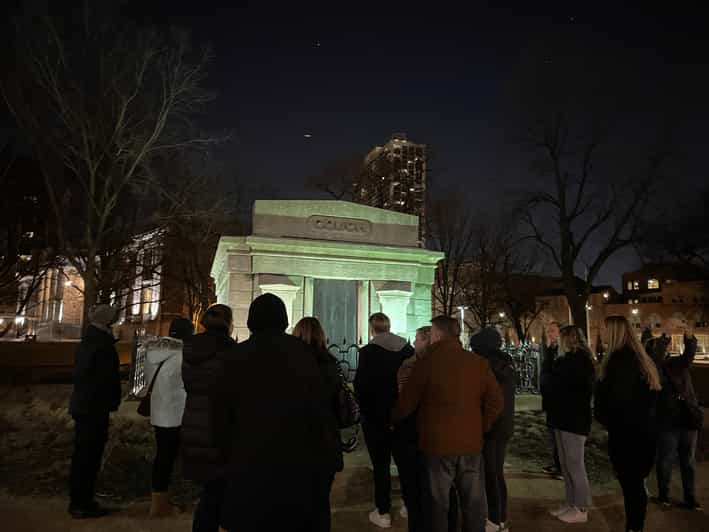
x=282, y=287
x=394, y=297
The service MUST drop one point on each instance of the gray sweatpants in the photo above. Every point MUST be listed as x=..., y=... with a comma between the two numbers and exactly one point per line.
x=573, y=467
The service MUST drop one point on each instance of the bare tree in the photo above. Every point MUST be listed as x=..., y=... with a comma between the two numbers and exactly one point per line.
x=337, y=177
x=98, y=102
x=26, y=255
x=451, y=229
x=200, y=211
x=580, y=215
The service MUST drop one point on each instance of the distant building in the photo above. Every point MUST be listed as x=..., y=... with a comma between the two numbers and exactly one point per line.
x=667, y=298
x=394, y=177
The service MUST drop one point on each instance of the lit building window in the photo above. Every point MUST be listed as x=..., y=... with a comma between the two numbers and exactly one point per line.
x=630, y=285
x=636, y=285
x=653, y=284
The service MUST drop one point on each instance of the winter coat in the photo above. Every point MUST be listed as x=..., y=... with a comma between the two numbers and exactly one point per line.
x=457, y=397
x=548, y=355
x=676, y=379
x=569, y=400
x=624, y=403
x=167, y=401
x=487, y=344
x=97, y=379
x=375, y=382
x=332, y=382
x=202, y=363
x=272, y=416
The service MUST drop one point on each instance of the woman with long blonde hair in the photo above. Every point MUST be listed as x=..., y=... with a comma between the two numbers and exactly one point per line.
x=625, y=403
x=573, y=377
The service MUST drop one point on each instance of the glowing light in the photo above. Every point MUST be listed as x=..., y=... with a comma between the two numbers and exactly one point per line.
x=308, y=136
x=588, y=306
x=606, y=295
x=635, y=311
x=502, y=315
x=68, y=283
x=19, y=320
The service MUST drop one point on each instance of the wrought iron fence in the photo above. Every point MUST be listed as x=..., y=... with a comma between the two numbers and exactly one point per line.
x=136, y=378
x=347, y=358
x=526, y=358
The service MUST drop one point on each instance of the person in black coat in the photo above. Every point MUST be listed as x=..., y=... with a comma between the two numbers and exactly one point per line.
x=549, y=352
x=202, y=362
x=677, y=436
x=96, y=393
x=487, y=344
x=376, y=388
x=273, y=426
x=311, y=332
x=573, y=378
x=625, y=403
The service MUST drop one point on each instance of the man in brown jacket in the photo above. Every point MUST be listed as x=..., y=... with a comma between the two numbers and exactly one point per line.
x=458, y=400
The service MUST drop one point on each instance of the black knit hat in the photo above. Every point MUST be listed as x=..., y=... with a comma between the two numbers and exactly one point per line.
x=181, y=328
x=267, y=312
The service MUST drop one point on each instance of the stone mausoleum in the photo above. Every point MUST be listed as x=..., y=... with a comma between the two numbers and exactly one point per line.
x=335, y=260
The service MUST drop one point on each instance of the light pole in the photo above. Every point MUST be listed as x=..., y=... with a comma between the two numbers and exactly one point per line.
x=462, y=310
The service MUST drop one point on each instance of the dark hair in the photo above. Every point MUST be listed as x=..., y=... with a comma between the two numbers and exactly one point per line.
x=217, y=317
x=181, y=328
x=449, y=327
x=311, y=332
x=379, y=322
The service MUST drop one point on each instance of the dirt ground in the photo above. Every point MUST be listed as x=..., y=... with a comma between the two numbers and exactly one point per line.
x=35, y=450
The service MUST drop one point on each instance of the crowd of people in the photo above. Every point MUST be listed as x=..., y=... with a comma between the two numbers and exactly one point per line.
x=257, y=423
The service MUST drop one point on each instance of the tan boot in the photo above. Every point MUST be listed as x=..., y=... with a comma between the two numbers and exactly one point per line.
x=160, y=505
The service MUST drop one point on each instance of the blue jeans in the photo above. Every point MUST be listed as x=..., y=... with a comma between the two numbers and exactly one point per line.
x=465, y=473
x=671, y=445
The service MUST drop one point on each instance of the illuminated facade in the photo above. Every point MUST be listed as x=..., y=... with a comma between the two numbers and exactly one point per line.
x=394, y=177
x=335, y=260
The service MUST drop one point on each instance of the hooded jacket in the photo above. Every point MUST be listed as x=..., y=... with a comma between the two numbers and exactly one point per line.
x=167, y=401
x=96, y=377
x=375, y=382
x=271, y=415
x=202, y=363
x=487, y=344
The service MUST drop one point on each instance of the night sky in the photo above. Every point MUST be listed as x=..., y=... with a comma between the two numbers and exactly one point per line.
x=350, y=76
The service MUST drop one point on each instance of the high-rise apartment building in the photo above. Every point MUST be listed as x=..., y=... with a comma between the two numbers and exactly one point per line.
x=394, y=177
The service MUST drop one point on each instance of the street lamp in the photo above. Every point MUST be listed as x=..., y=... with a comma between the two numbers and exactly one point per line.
x=462, y=310
x=502, y=315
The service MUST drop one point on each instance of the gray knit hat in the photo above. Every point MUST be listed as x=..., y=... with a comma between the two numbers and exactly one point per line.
x=103, y=315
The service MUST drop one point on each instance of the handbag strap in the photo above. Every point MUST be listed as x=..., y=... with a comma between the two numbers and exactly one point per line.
x=152, y=381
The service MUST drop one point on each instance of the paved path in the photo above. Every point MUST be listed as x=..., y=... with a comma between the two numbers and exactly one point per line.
x=531, y=496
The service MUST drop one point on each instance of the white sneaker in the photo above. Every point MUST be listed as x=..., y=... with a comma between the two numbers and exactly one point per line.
x=492, y=527
x=560, y=510
x=382, y=521
x=574, y=515
x=404, y=512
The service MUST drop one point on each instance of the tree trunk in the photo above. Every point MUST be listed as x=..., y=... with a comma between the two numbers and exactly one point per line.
x=89, y=296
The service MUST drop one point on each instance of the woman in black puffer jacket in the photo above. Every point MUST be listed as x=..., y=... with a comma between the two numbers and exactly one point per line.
x=625, y=402
x=311, y=332
x=201, y=457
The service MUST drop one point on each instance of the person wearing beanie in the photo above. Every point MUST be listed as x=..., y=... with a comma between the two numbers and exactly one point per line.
x=167, y=404
x=202, y=362
x=272, y=423
x=486, y=343
x=96, y=393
